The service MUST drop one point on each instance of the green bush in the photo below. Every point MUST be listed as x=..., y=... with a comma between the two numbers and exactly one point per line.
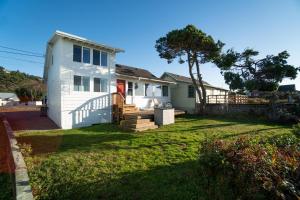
x=251, y=169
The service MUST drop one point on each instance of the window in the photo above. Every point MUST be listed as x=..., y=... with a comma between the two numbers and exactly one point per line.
x=86, y=55
x=104, y=59
x=139, y=89
x=165, y=91
x=130, y=89
x=103, y=84
x=157, y=90
x=191, y=91
x=96, y=84
x=148, y=90
x=52, y=59
x=96, y=57
x=77, y=53
x=81, y=83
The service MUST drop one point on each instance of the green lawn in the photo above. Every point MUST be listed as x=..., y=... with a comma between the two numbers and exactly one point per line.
x=102, y=162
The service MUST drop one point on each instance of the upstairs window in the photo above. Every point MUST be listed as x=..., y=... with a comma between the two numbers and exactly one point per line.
x=165, y=91
x=96, y=57
x=86, y=55
x=191, y=91
x=81, y=83
x=104, y=59
x=77, y=53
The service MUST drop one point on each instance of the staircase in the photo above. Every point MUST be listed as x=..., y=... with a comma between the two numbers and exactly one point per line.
x=130, y=117
x=137, y=122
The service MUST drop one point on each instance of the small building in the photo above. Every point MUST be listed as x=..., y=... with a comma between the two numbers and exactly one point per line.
x=184, y=96
x=8, y=99
x=287, y=88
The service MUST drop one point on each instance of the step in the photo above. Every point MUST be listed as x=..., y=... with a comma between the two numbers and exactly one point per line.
x=129, y=106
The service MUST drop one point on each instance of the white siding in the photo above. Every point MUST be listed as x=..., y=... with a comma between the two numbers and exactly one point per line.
x=53, y=83
x=142, y=101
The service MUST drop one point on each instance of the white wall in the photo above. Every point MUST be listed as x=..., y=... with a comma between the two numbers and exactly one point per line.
x=69, y=108
x=142, y=101
x=53, y=83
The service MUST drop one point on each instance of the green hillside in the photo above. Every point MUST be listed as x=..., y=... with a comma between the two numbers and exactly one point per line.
x=11, y=80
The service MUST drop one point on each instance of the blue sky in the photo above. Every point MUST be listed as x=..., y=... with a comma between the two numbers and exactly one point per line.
x=269, y=26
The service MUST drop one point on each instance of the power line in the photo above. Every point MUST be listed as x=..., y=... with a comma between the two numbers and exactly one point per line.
x=23, y=54
x=20, y=59
x=5, y=47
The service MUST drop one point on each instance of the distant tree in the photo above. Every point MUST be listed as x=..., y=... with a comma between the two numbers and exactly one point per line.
x=31, y=91
x=193, y=46
x=243, y=72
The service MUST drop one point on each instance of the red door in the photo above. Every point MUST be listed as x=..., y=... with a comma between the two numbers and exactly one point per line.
x=121, y=87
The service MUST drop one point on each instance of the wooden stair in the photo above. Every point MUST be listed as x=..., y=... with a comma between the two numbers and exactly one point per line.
x=133, y=121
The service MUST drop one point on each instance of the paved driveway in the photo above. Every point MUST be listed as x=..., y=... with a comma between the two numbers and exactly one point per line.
x=29, y=120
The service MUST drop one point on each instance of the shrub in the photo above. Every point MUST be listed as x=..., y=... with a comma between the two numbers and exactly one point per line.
x=251, y=169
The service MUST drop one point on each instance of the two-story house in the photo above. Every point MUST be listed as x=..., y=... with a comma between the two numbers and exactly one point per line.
x=81, y=76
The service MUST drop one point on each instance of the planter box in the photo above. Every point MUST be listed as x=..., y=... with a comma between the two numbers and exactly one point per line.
x=164, y=116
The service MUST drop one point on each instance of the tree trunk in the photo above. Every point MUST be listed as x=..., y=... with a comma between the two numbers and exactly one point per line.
x=203, y=100
x=195, y=85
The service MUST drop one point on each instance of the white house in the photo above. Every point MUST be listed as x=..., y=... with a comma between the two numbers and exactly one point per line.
x=183, y=95
x=81, y=76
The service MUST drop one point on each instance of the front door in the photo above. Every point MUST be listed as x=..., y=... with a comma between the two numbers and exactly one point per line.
x=121, y=87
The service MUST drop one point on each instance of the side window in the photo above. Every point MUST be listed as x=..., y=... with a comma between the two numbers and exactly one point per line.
x=104, y=59
x=86, y=55
x=77, y=53
x=103, y=83
x=81, y=83
x=96, y=84
x=157, y=90
x=96, y=57
x=191, y=91
x=130, y=89
x=147, y=89
x=165, y=91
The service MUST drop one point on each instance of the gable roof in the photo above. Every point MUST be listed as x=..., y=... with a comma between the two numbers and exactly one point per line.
x=8, y=96
x=287, y=88
x=180, y=78
x=139, y=73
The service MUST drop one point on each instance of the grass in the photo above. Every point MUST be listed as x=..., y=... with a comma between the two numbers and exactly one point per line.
x=102, y=162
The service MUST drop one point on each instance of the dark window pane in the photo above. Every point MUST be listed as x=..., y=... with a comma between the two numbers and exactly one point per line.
x=86, y=55
x=76, y=53
x=191, y=91
x=96, y=84
x=130, y=89
x=77, y=83
x=96, y=57
x=104, y=59
x=165, y=90
x=146, y=89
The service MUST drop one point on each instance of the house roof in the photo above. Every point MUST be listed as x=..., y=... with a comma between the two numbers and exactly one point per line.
x=134, y=72
x=180, y=78
x=287, y=88
x=7, y=95
x=83, y=40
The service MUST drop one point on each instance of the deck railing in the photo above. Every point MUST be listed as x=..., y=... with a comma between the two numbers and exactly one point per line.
x=234, y=99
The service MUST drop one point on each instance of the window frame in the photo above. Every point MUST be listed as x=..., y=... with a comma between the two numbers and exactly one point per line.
x=130, y=88
x=99, y=57
x=99, y=84
x=194, y=91
x=162, y=90
x=89, y=58
x=76, y=45
x=81, y=83
x=103, y=52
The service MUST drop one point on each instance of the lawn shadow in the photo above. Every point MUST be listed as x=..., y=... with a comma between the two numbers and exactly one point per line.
x=174, y=181
x=82, y=139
